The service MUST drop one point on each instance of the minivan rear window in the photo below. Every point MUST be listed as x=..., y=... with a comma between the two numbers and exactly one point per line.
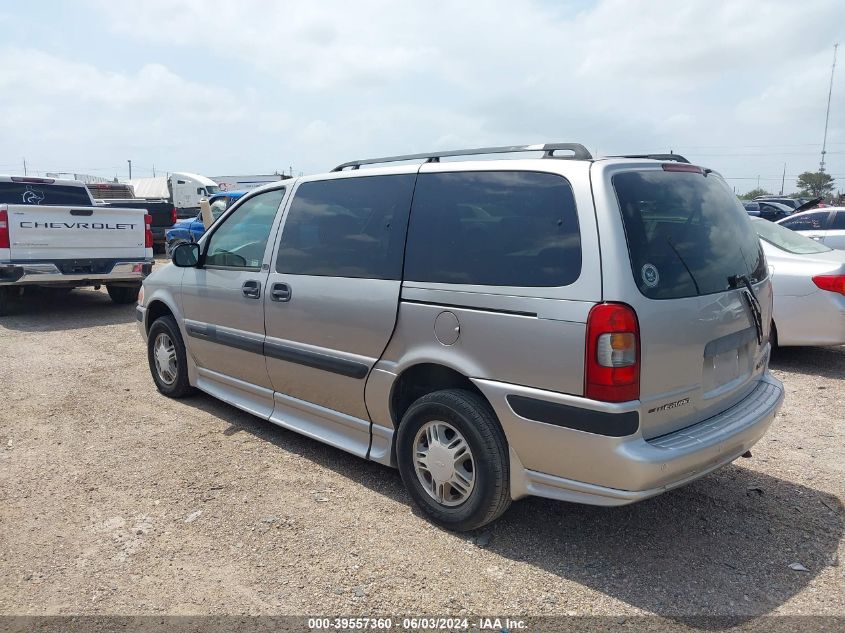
x=687, y=233
x=34, y=193
x=495, y=228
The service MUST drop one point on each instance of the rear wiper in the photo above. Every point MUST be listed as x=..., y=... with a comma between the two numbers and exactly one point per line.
x=753, y=302
x=689, y=272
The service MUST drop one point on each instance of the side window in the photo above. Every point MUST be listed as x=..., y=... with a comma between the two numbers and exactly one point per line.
x=348, y=227
x=838, y=223
x=501, y=228
x=810, y=222
x=242, y=238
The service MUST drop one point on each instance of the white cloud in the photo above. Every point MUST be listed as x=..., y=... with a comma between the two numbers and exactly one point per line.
x=317, y=83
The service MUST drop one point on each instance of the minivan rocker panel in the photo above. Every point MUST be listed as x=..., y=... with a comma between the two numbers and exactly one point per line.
x=592, y=331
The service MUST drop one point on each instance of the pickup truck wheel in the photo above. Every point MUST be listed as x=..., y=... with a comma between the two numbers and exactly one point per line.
x=4, y=302
x=123, y=294
x=453, y=458
x=167, y=359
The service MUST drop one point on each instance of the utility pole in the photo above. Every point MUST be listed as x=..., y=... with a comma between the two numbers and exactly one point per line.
x=154, y=171
x=827, y=115
x=24, y=166
x=783, y=179
x=758, y=181
x=130, y=169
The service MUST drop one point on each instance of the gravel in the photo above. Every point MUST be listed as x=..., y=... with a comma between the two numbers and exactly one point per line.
x=116, y=500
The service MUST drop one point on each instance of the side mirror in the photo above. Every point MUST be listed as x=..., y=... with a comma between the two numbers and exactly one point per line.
x=186, y=255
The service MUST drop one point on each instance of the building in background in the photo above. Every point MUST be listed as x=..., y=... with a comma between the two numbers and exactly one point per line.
x=245, y=183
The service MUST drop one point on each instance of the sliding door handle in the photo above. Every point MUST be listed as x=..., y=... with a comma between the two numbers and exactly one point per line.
x=280, y=292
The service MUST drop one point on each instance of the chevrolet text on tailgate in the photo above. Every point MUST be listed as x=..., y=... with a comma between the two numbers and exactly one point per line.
x=589, y=330
x=53, y=234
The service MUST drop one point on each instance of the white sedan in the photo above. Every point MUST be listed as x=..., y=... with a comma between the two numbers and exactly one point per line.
x=826, y=225
x=808, y=279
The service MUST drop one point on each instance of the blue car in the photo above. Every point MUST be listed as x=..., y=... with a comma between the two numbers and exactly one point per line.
x=191, y=229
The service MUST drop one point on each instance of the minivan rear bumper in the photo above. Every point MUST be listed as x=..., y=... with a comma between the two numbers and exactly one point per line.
x=609, y=470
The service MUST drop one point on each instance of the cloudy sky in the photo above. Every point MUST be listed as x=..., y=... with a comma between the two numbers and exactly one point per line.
x=254, y=86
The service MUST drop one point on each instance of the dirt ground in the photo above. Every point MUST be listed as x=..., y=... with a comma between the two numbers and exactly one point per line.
x=116, y=500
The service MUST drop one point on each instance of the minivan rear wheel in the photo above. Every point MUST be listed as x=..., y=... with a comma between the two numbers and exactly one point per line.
x=453, y=458
x=167, y=358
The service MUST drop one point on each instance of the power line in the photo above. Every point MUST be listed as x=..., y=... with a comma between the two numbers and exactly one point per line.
x=763, y=155
x=767, y=145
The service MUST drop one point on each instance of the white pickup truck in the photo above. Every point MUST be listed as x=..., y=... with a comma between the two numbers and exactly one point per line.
x=53, y=234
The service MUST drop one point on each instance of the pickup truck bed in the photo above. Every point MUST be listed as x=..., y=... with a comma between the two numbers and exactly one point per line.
x=162, y=211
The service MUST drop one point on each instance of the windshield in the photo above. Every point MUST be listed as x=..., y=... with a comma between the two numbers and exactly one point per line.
x=787, y=239
x=211, y=190
x=687, y=233
x=218, y=207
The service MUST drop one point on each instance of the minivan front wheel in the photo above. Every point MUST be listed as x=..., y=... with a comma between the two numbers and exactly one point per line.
x=453, y=459
x=167, y=358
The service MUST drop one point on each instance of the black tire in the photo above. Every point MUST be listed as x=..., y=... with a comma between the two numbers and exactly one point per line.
x=123, y=294
x=179, y=387
x=4, y=302
x=472, y=416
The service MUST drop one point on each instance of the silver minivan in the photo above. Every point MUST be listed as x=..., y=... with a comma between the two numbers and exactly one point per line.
x=589, y=330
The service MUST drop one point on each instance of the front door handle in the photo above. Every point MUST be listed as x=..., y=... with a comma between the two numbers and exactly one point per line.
x=251, y=289
x=280, y=292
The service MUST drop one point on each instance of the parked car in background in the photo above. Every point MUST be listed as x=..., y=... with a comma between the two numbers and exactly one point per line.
x=753, y=208
x=588, y=330
x=52, y=234
x=808, y=279
x=221, y=201
x=796, y=204
x=191, y=229
x=823, y=225
x=771, y=211
x=162, y=212
x=111, y=190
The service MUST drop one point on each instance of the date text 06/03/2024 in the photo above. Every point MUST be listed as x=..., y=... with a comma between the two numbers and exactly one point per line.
x=415, y=624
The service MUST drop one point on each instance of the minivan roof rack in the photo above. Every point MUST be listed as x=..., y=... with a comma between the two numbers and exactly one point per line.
x=675, y=157
x=578, y=152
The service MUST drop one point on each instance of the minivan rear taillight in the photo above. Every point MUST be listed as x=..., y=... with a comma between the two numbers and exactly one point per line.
x=148, y=231
x=4, y=229
x=612, y=359
x=833, y=283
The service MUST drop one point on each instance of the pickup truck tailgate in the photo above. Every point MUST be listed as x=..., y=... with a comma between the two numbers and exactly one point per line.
x=49, y=233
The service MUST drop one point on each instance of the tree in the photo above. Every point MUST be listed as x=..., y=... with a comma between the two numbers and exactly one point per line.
x=754, y=193
x=815, y=184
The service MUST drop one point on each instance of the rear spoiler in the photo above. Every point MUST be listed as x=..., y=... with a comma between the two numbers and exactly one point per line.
x=672, y=157
x=808, y=205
